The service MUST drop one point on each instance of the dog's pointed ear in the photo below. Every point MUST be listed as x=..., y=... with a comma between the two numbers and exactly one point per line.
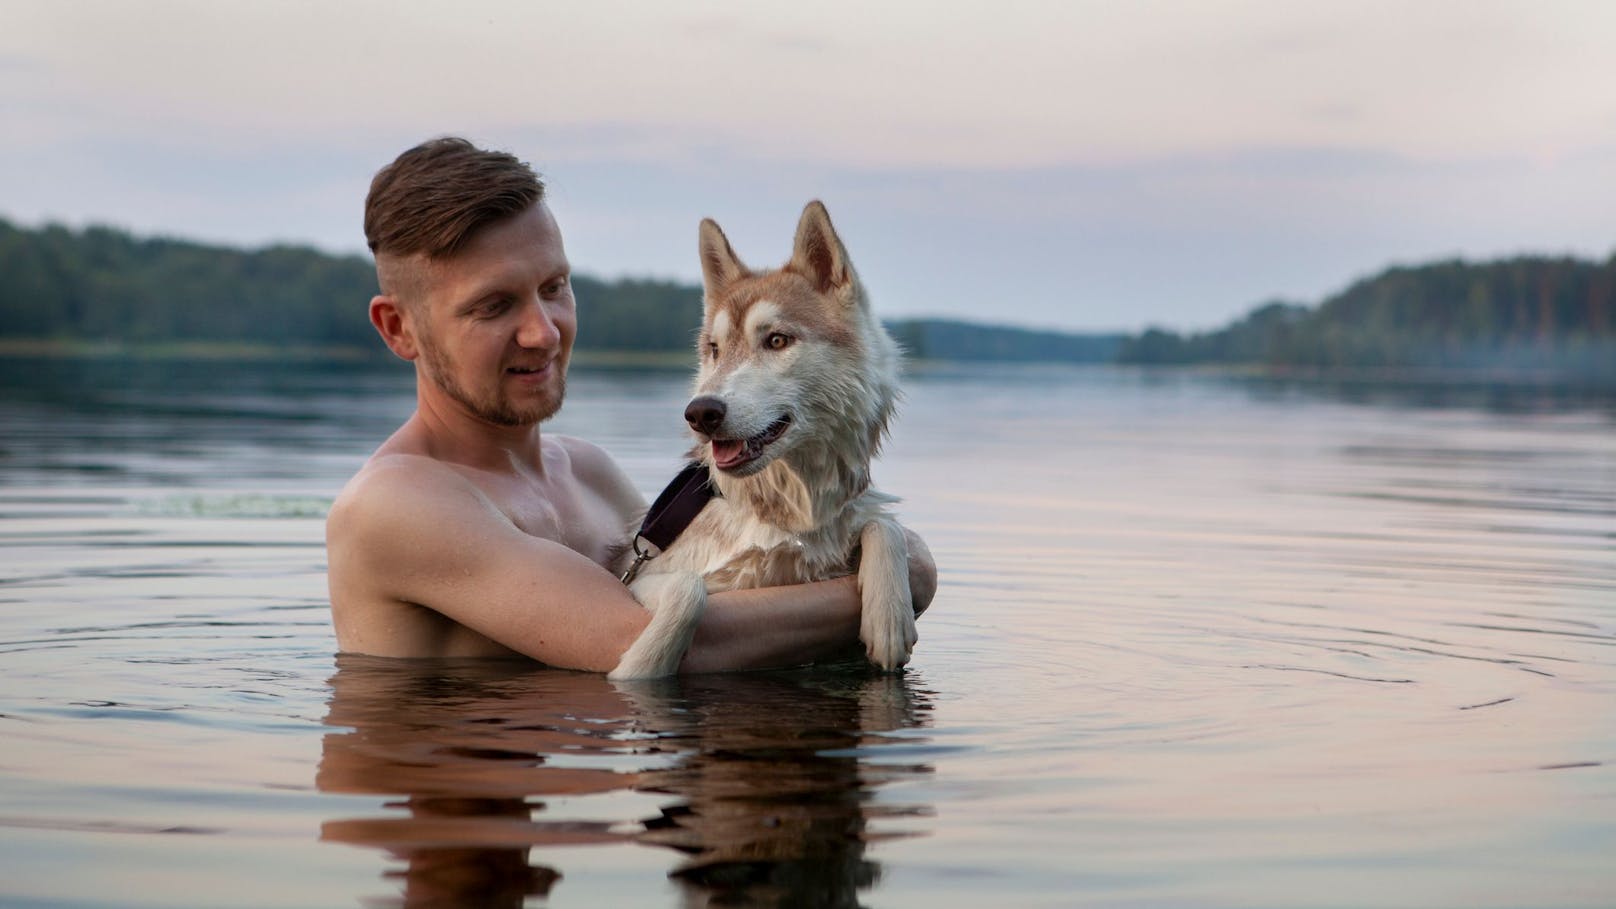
x=819, y=256
x=719, y=264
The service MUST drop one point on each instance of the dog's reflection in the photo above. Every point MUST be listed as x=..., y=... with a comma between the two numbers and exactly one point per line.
x=768, y=775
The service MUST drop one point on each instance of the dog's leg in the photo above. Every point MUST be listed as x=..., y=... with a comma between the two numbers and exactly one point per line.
x=887, y=624
x=676, y=601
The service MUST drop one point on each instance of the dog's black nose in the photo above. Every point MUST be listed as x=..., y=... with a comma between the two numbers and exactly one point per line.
x=705, y=414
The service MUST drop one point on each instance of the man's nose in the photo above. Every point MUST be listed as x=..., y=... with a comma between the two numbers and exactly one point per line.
x=537, y=329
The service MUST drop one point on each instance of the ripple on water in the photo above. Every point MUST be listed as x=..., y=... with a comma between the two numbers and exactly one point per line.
x=1196, y=645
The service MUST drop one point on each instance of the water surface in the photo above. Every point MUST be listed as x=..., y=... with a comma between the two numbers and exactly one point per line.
x=1201, y=641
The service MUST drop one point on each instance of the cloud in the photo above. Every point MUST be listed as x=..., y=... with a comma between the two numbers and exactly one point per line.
x=14, y=64
x=900, y=84
x=1335, y=112
x=1084, y=164
x=1185, y=240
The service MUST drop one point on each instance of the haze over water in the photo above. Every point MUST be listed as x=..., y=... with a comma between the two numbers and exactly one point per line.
x=1200, y=641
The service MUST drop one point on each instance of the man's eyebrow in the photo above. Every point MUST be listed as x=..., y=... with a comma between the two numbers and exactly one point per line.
x=499, y=285
x=477, y=295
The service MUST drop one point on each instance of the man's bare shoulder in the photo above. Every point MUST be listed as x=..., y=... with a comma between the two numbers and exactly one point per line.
x=391, y=485
x=588, y=459
x=423, y=563
x=400, y=516
x=595, y=470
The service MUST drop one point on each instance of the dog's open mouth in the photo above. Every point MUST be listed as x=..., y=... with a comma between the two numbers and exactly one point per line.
x=730, y=454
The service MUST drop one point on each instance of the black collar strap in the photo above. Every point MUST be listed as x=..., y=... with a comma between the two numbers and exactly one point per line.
x=672, y=512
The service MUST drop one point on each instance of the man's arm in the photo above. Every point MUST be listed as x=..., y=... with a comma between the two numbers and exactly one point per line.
x=411, y=534
x=741, y=628
x=922, y=572
x=821, y=619
x=414, y=534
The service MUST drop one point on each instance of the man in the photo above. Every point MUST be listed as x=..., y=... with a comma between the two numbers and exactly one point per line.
x=470, y=533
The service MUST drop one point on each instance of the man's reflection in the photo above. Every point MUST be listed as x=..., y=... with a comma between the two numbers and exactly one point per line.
x=769, y=775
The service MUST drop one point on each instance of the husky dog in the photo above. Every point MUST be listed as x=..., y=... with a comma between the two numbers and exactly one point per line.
x=796, y=384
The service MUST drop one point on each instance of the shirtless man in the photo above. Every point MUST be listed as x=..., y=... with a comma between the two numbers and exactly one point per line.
x=470, y=533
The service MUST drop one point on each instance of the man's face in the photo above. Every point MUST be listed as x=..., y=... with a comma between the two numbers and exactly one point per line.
x=495, y=323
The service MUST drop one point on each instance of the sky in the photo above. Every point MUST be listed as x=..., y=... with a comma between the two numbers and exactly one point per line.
x=1080, y=165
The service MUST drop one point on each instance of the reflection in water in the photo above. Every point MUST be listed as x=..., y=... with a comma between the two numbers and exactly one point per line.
x=772, y=774
x=1434, y=389
x=1202, y=641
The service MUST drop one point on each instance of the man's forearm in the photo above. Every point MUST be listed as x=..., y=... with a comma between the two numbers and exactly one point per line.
x=774, y=627
x=787, y=626
x=922, y=572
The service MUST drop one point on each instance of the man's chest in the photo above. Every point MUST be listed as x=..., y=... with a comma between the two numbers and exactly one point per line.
x=576, y=518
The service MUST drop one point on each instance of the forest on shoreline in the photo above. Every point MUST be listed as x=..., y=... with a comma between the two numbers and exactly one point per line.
x=104, y=286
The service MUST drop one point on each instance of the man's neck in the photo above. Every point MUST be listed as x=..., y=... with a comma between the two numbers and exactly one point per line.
x=453, y=433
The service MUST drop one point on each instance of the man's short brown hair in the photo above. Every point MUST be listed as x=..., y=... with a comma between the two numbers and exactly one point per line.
x=437, y=194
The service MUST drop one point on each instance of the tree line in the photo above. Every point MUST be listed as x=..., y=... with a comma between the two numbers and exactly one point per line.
x=104, y=284
x=1531, y=312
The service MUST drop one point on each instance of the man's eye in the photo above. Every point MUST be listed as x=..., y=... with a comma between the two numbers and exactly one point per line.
x=777, y=341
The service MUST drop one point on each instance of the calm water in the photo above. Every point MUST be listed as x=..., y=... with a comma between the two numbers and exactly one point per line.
x=1200, y=642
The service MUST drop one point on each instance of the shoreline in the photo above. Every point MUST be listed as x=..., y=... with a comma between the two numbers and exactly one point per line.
x=65, y=349
x=71, y=349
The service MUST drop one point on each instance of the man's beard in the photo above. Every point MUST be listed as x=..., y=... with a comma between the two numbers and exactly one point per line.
x=499, y=411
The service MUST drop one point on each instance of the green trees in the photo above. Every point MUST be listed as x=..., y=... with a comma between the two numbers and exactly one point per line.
x=1529, y=312
x=636, y=315
x=102, y=284
x=946, y=339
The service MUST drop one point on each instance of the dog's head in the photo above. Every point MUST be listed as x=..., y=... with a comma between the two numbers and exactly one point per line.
x=794, y=365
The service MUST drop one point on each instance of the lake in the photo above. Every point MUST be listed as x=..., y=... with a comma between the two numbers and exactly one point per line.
x=1201, y=640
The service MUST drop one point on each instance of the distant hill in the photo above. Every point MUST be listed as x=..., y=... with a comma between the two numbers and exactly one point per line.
x=1528, y=312
x=103, y=284
x=944, y=339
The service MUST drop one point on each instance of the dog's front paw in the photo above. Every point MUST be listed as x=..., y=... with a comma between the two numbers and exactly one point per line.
x=887, y=624
x=676, y=602
x=888, y=632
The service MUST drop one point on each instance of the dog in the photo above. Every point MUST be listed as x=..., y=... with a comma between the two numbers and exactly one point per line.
x=797, y=382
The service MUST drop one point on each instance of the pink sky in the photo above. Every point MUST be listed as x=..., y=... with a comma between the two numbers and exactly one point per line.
x=1082, y=165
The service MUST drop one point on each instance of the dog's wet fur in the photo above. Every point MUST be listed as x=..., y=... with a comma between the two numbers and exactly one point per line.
x=797, y=382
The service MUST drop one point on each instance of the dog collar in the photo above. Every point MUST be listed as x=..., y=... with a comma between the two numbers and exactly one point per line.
x=673, y=510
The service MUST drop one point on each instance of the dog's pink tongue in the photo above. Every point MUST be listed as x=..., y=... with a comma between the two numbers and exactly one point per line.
x=727, y=451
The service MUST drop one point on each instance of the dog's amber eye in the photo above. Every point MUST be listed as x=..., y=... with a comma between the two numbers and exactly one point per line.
x=777, y=341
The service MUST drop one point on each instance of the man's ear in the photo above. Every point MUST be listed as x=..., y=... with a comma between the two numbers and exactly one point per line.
x=719, y=264
x=393, y=323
